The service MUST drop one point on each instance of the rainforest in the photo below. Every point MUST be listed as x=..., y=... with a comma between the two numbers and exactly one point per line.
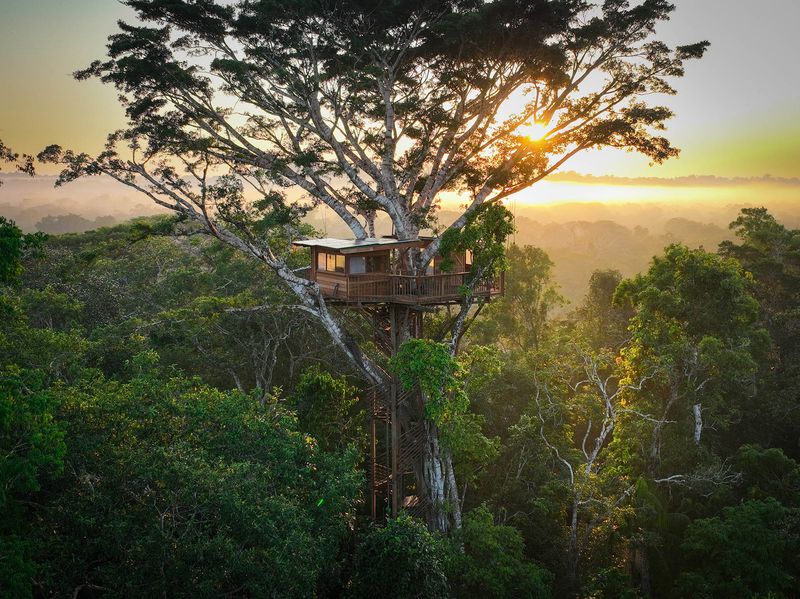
x=409, y=299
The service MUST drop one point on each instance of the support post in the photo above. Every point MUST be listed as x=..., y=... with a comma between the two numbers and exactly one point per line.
x=396, y=490
x=394, y=419
x=373, y=458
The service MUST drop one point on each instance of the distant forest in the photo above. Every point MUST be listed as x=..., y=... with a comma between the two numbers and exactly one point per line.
x=579, y=237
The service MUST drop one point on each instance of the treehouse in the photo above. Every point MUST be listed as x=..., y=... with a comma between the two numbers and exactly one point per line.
x=372, y=270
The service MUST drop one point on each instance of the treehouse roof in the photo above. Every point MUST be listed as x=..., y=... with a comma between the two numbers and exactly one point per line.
x=354, y=246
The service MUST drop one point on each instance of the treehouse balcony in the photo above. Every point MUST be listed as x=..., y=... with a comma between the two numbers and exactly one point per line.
x=369, y=271
x=402, y=289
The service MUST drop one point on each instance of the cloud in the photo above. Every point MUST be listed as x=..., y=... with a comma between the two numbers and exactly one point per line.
x=689, y=181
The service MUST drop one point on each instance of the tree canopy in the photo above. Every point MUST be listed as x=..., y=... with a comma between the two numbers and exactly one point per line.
x=581, y=471
x=371, y=109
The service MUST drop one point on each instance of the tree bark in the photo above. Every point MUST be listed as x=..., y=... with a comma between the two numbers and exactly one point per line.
x=697, y=410
x=573, y=556
x=433, y=478
x=641, y=566
x=436, y=483
x=439, y=483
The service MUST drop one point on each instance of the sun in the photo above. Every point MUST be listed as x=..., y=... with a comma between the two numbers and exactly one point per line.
x=534, y=130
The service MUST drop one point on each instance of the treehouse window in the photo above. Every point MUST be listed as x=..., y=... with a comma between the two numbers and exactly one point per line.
x=468, y=260
x=330, y=262
x=362, y=264
x=334, y=263
x=358, y=265
x=377, y=263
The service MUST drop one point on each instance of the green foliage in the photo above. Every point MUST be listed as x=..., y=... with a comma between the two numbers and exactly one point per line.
x=145, y=481
x=32, y=449
x=745, y=552
x=696, y=291
x=487, y=560
x=402, y=560
x=484, y=234
x=205, y=492
x=31, y=440
x=267, y=219
x=429, y=366
x=610, y=583
x=522, y=489
x=10, y=251
x=602, y=323
x=201, y=305
x=13, y=244
x=327, y=409
x=519, y=318
x=16, y=568
x=769, y=473
x=771, y=252
x=696, y=340
x=55, y=353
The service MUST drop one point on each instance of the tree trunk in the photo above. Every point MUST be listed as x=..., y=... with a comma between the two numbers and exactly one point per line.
x=436, y=484
x=433, y=479
x=573, y=553
x=452, y=489
x=697, y=410
x=641, y=569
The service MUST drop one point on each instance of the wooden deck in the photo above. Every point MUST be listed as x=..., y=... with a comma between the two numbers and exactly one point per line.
x=401, y=289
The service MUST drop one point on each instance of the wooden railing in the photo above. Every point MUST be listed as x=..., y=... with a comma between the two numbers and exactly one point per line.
x=412, y=289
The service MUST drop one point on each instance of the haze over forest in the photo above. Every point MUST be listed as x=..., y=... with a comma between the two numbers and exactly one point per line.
x=579, y=236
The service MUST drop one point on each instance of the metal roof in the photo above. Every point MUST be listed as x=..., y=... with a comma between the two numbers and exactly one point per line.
x=349, y=246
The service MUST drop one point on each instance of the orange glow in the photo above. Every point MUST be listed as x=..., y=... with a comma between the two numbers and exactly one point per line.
x=534, y=131
x=550, y=193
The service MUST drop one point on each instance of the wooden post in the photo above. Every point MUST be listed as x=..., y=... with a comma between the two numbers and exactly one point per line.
x=396, y=490
x=374, y=457
x=396, y=484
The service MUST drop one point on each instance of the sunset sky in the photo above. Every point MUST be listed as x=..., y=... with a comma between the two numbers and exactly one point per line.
x=738, y=109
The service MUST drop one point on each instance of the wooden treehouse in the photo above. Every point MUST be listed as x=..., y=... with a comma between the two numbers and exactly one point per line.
x=368, y=283
x=372, y=271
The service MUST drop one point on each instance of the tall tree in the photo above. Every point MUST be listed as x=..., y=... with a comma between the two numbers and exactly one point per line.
x=696, y=345
x=695, y=332
x=13, y=244
x=603, y=323
x=368, y=108
x=519, y=319
x=771, y=252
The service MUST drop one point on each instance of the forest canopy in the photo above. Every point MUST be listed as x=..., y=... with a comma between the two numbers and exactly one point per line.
x=640, y=443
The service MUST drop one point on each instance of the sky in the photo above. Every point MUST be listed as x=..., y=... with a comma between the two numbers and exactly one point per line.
x=737, y=109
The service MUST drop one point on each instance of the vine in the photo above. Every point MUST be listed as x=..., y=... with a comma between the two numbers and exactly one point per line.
x=429, y=365
x=484, y=234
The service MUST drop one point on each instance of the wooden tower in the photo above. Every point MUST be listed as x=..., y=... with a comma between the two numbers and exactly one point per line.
x=366, y=282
